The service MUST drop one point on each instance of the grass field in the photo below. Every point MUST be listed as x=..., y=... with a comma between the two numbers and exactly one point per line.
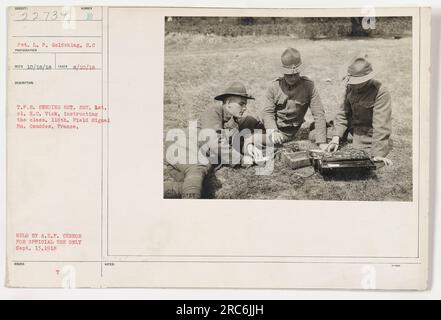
x=197, y=67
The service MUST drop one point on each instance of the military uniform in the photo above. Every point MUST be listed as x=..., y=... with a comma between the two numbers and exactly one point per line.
x=286, y=105
x=218, y=119
x=367, y=114
x=191, y=176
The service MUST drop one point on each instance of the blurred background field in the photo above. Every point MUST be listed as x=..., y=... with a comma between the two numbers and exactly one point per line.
x=198, y=65
x=301, y=28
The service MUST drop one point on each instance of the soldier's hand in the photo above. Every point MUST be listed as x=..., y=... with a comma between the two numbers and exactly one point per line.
x=235, y=109
x=247, y=161
x=278, y=137
x=256, y=154
x=323, y=146
x=386, y=161
x=334, y=144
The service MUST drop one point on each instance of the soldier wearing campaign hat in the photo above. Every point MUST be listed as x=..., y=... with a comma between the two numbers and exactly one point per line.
x=230, y=114
x=366, y=112
x=288, y=98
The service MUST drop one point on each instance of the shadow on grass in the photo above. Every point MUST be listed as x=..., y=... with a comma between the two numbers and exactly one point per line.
x=350, y=176
x=211, y=186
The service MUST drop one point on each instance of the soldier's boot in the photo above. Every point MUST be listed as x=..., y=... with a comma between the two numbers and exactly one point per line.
x=193, y=182
x=172, y=190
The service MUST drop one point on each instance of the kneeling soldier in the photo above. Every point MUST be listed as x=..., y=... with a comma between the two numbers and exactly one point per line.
x=366, y=113
x=288, y=99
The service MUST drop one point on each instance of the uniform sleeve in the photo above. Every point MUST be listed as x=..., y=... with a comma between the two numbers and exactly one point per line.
x=319, y=116
x=269, y=110
x=382, y=124
x=341, y=120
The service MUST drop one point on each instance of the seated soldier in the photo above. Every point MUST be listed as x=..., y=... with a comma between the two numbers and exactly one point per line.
x=228, y=116
x=366, y=113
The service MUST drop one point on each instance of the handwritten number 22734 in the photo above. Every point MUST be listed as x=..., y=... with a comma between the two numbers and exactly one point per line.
x=43, y=16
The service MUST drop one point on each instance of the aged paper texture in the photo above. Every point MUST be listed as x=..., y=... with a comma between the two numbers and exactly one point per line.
x=95, y=93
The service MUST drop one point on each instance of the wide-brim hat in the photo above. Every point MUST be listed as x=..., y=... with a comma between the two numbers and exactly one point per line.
x=362, y=79
x=234, y=89
x=291, y=61
x=292, y=69
x=360, y=71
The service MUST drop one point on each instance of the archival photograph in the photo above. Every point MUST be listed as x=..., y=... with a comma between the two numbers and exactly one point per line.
x=218, y=148
x=288, y=108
